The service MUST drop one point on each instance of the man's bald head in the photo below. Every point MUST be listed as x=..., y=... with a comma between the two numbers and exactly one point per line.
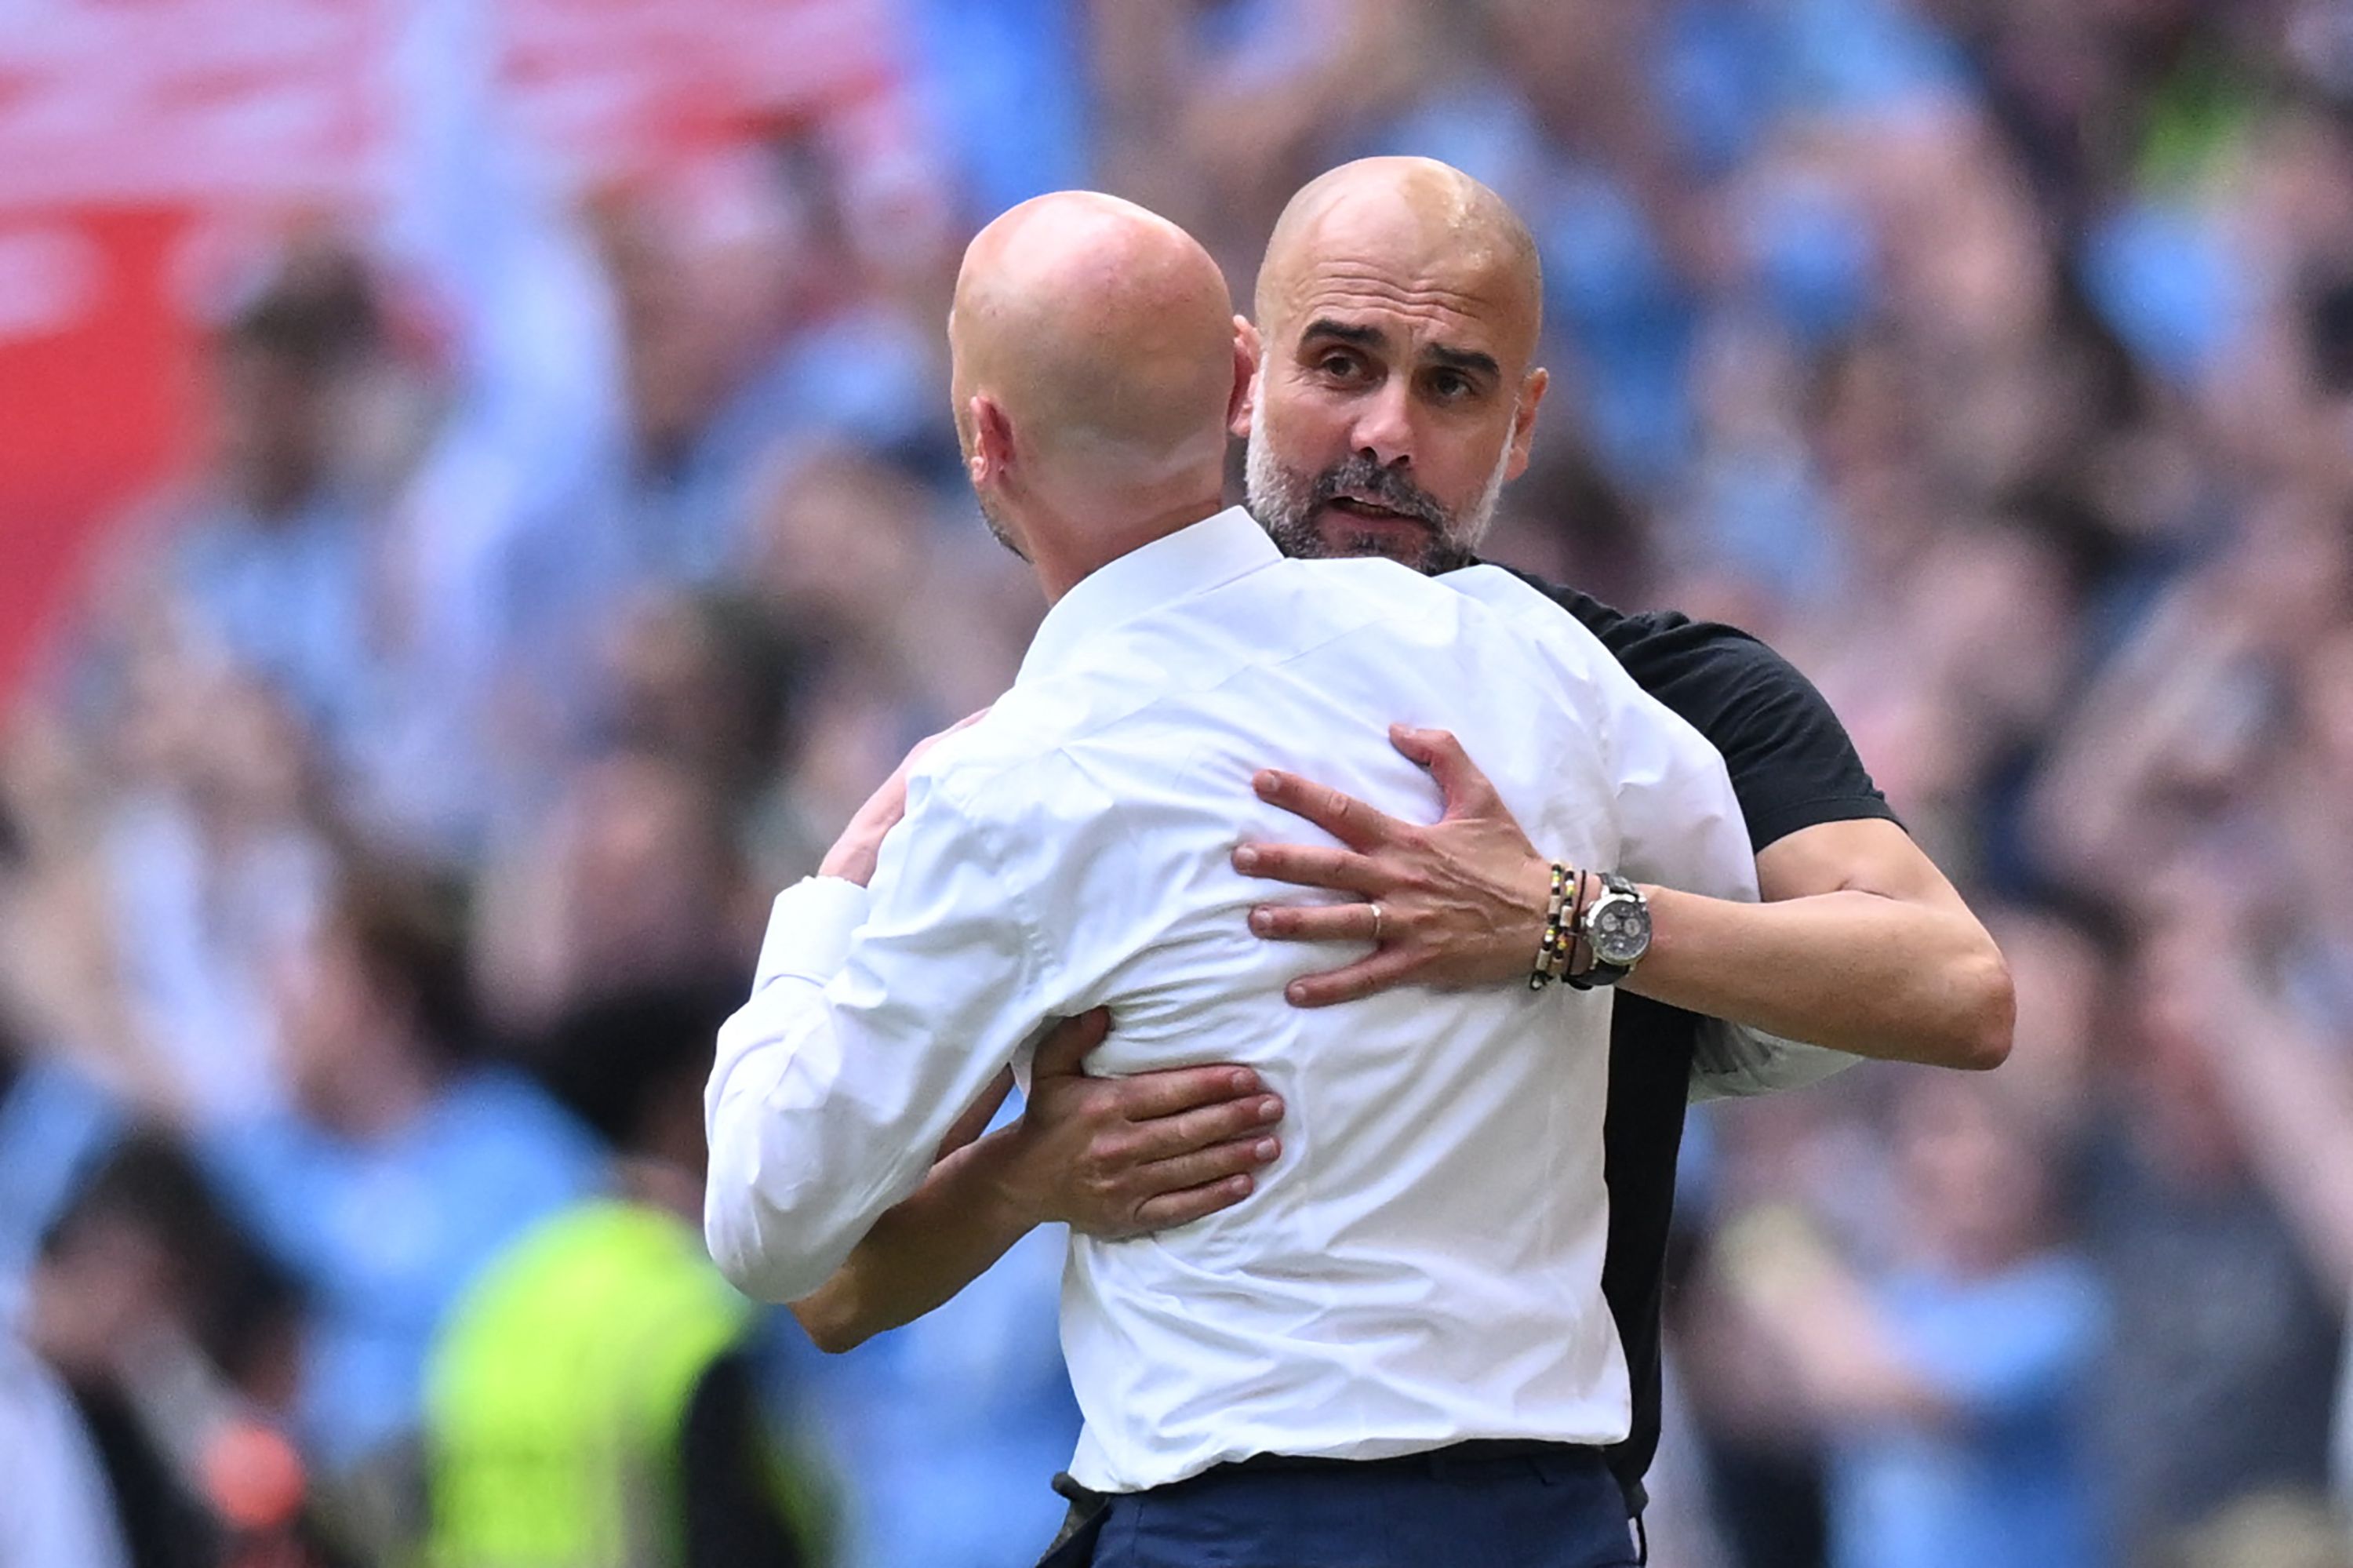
x=1399, y=309
x=1102, y=334
x=1409, y=220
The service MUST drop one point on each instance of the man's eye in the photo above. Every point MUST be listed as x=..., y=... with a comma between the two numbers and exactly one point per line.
x=1449, y=387
x=1340, y=365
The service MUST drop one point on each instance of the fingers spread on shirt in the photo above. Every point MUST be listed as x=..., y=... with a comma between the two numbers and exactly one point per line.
x=1149, y=1097
x=1169, y=1136
x=1346, y=818
x=1312, y=865
x=1203, y=1166
x=1192, y=1203
x=1386, y=967
x=1318, y=922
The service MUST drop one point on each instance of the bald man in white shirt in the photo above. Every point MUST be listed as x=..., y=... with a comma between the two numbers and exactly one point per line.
x=1396, y=1351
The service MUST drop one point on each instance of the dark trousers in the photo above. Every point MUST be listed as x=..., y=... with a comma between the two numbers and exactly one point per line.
x=1496, y=1505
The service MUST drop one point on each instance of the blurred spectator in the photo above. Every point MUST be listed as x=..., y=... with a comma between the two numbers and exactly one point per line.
x=274, y=570
x=60, y=1510
x=178, y=1342
x=749, y=323
x=634, y=880
x=2218, y=1382
x=714, y=684
x=591, y=1400
x=1949, y=1384
x=403, y=1165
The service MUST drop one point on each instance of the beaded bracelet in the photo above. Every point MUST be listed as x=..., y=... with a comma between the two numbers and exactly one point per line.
x=1552, y=953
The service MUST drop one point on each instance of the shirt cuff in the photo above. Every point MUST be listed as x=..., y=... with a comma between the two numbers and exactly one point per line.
x=810, y=929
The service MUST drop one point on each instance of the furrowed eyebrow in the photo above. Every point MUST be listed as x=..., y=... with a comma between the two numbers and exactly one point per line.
x=1362, y=336
x=1464, y=359
x=1470, y=361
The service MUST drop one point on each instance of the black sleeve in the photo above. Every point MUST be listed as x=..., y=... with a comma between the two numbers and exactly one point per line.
x=1791, y=762
x=733, y=1519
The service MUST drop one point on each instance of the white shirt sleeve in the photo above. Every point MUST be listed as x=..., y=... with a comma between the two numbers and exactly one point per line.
x=876, y=1018
x=1732, y=1061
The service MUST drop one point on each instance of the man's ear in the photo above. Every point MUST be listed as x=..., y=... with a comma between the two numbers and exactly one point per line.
x=1243, y=404
x=992, y=443
x=1523, y=420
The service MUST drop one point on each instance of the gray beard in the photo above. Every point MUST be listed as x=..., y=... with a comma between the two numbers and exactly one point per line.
x=1285, y=502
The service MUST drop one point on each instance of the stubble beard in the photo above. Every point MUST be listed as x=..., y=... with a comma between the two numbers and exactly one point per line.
x=1285, y=501
x=996, y=528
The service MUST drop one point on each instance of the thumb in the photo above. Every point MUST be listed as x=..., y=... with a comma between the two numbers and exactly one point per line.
x=1467, y=792
x=1064, y=1053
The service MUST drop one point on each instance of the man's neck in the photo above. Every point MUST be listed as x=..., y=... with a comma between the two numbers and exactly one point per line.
x=1067, y=556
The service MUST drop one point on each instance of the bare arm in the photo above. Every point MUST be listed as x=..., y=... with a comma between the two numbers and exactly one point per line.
x=1861, y=944
x=1815, y=1314
x=2289, y=1095
x=1109, y=1157
x=919, y=1255
x=2168, y=715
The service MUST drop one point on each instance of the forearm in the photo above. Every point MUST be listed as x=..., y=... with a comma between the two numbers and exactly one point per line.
x=946, y=1234
x=1849, y=1373
x=2295, y=1109
x=1852, y=971
x=1819, y=1319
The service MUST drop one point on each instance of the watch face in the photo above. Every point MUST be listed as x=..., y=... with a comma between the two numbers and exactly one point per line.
x=1621, y=931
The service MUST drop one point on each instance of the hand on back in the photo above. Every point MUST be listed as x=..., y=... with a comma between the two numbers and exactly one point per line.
x=1459, y=903
x=1120, y=1157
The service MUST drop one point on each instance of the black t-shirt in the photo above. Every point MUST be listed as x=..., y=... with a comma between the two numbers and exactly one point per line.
x=1792, y=767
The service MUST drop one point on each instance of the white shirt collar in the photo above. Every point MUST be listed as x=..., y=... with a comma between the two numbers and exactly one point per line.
x=1192, y=560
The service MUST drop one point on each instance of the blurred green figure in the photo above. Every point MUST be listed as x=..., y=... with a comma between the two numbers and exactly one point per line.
x=589, y=1402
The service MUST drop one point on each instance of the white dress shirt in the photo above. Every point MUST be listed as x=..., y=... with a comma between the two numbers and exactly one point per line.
x=1423, y=1263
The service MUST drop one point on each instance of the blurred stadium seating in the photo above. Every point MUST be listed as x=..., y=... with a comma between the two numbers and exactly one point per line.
x=478, y=512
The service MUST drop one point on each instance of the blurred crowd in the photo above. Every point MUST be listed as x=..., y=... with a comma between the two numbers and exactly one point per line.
x=403, y=797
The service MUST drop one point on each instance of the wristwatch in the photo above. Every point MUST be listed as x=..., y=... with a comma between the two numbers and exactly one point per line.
x=1616, y=931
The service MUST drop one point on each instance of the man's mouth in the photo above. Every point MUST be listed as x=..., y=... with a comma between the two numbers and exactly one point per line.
x=1365, y=510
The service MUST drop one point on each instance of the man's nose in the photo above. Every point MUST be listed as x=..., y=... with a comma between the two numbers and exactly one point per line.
x=1384, y=430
